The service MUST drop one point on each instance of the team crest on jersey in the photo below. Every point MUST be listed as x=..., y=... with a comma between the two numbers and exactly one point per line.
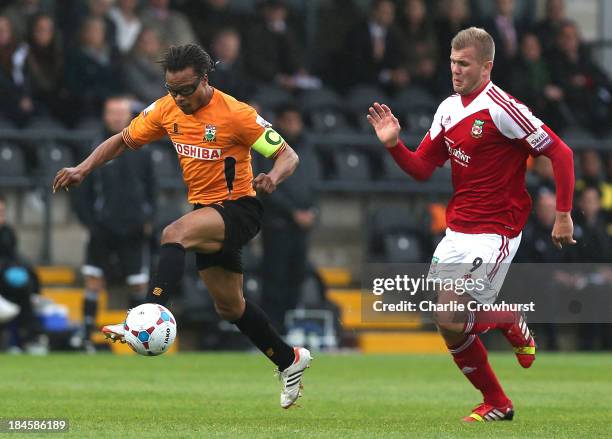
x=210, y=133
x=477, y=128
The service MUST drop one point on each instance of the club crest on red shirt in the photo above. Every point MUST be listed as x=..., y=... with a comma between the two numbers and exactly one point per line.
x=477, y=128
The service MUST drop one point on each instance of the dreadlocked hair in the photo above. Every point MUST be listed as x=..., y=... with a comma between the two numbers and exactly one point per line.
x=188, y=55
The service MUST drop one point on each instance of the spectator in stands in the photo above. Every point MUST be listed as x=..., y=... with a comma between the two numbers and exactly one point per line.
x=335, y=19
x=541, y=178
x=172, y=26
x=375, y=48
x=454, y=15
x=45, y=67
x=21, y=12
x=420, y=49
x=531, y=82
x=587, y=88
x=506, y=32
x=15, y=100
x=142, y=72
x=92, y=69
x=229, y=75
x=290, y=214
x=419, y=36
x=209, y=17
x=116, y=204
x=101, y=9
x=18, y=282
x=272, y=50
x=592, y=174
x=548, y=28
x=536, y=247
x=127, y=22
x=594, y=246
x=536, y=243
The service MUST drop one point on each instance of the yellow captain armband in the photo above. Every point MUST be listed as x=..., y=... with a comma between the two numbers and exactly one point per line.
x=269, y=144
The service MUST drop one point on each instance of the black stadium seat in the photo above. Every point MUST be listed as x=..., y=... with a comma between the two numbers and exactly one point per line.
x=360, y=98
x=397, y=233
x=44, y=123
x=402, y=247
x=311, y=100
x=165, y=164
x=52, y=157
x=269, y=97
x=325, y=120
x=351, y=166
x=415, y=108
x=391, y=171
x=12, y=161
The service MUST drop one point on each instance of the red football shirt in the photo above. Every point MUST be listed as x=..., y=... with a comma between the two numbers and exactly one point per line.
x=488, y=137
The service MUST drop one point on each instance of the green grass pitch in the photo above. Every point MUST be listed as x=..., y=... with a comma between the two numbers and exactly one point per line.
x=369, y=396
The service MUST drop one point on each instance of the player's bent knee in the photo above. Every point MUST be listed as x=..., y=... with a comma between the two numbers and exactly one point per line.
x=447, y=322
x=231, y=313
x=172, y=233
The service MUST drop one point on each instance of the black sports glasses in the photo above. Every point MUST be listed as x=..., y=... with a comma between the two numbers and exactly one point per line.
x=185, y=91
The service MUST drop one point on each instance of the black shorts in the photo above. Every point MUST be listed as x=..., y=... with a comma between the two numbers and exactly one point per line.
x=106, y=249
x=242, y=218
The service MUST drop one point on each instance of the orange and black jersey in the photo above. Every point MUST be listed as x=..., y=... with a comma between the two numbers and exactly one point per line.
x=213, y=144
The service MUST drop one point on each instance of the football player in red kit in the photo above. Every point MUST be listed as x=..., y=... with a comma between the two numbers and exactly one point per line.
x=488, y=136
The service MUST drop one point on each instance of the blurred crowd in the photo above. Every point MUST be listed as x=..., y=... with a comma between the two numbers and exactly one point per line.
x=64, y=58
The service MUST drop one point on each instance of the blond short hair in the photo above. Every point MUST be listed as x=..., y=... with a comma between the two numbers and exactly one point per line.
x=479, y=39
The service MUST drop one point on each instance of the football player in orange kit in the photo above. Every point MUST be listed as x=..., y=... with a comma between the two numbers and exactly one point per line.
x=213, y=135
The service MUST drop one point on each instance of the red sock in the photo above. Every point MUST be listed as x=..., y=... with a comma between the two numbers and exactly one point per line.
x=479, y=322
x=471, y=358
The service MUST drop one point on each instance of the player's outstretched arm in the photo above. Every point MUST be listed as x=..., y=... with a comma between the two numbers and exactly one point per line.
x=284, y=165
x=106, y=151
x=387, y=130
x=385, y=124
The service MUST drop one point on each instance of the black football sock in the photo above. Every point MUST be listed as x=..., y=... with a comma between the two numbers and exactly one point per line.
x=167, y=278
x=90, y=308
x=255, y=324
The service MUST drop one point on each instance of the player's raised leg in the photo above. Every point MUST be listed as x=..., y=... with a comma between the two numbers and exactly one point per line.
x=201, y=230
x=225, y=287
x=471, y=357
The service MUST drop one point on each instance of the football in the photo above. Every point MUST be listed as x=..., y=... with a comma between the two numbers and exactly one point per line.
x=150, y=329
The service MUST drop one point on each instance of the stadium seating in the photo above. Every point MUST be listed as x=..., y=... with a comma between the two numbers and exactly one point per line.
x=442, y=175
x=6, y=123
x=52, y=156
x=165, y=165
x=391, y=170
x=359, y=99
x=89, y=124
x=271, y=96
x=415, y=108
x=402, y=247
x=44, y=123
x=395, y=234
x=351, y=166
x=12, y=165
x=323, y=110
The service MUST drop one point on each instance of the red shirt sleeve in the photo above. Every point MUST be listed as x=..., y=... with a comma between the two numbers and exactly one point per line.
x=421, y=163
x=562, y=159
